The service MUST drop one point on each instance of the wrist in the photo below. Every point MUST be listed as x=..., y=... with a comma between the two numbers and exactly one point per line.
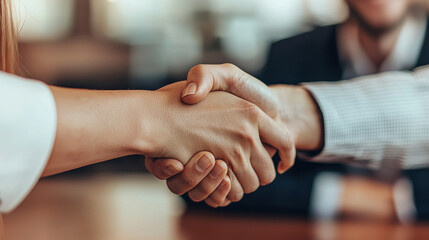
x=301, y=114
x=143, y=117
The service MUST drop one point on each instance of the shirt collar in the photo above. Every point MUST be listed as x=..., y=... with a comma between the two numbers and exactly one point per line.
x=404, y=55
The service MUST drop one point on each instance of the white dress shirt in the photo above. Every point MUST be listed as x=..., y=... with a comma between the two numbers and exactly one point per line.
x=27, y=133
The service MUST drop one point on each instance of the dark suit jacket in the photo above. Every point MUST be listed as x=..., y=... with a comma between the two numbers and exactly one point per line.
x=309, y=57
x=312, y=57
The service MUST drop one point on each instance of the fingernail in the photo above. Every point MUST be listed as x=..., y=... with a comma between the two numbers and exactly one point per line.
x=216, y=171
x=203, y=163
x=190, y=89
x=170, y=170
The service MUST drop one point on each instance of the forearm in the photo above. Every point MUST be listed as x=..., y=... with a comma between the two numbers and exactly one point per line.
x=94, y=126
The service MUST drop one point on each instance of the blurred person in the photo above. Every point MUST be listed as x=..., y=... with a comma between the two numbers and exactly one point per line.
x=46, y=130
x=378, y=36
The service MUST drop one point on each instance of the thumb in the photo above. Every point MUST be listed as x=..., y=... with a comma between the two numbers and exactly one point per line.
x=163, y=168
x=202, y=79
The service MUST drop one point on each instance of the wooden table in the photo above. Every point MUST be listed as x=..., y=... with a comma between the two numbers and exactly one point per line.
x=128, y=207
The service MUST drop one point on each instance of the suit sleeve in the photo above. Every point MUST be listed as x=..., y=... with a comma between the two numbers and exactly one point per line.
x=27, y=133
x=376, y=121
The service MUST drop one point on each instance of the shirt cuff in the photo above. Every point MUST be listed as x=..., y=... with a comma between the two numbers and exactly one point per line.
x=28, y=126
x=363, y=117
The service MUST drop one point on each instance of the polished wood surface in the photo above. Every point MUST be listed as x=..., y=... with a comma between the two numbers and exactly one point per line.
x=1, y=228
x=113, y=207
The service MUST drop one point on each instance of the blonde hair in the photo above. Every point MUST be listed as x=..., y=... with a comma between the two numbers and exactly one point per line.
x=9, y=57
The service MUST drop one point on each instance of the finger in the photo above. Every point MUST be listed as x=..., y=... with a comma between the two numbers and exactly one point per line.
x=227, y=77
x=243, y=170
x=163, y=168
x=209, y=184
x=219, y=196
x=195, y=170
x=280, y=138
x=236, y=193
x=225, y=203
x=148, y=163
x=263, y=165
x=272, y=151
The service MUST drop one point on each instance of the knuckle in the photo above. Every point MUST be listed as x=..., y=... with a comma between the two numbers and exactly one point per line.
x=290, y=163
x=246, y=138
x=236, y=152
x=287, y=144
x=253, y=111
x=203, y=192
x=251, y=188
x=188, y=181
x=242, y=128
x=232, y=68
x=196, y=71
x=229, y=65
x=197, y=68
x=269, y=178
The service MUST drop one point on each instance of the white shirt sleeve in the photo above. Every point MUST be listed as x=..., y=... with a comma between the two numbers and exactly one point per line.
x=27, y=133
x=376, y=120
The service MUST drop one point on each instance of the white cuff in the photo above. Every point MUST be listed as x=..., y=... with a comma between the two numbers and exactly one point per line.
x=27, y=133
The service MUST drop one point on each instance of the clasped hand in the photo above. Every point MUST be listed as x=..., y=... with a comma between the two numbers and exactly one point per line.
x=219, y=146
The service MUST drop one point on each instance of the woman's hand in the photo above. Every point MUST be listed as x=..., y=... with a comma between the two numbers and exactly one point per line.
x=225, y=125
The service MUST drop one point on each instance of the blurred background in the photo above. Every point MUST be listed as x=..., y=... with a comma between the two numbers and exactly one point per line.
x=110, y=44
x=146, y=44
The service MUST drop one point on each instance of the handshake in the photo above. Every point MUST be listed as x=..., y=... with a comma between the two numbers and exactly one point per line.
x=215, y=134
